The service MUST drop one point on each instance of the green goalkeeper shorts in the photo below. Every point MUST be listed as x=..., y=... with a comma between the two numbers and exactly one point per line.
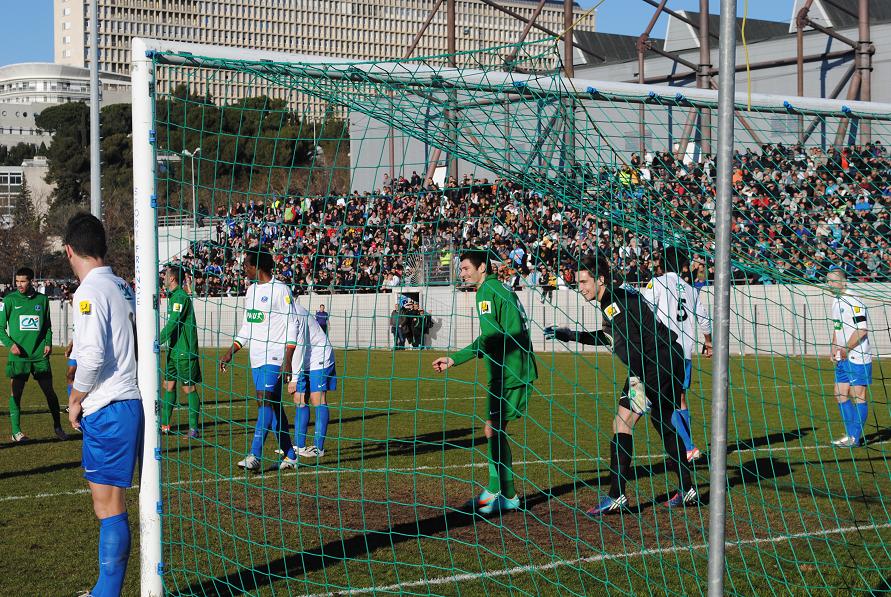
x=508, y=404
x=185, y=371
x=16, y=369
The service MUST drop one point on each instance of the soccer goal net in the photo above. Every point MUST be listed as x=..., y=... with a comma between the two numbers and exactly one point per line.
x=346, y=193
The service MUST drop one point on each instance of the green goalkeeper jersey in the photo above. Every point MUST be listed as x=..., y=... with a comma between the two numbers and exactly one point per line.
x=181, y=331
x=25, y=321
x=504, y=340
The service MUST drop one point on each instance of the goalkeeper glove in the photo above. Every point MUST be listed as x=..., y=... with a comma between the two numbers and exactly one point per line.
x=562, y=334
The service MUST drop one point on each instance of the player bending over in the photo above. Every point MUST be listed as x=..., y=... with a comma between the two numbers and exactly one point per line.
x=269, y=327
x=181, y=335
x=25, y=329
x=656, y=374
x=853, y=358
x=105, y=403
x=505, y=345
x=314, y=375
x=674, y=302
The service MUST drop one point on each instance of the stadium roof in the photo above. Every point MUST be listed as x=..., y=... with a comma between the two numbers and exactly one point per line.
x=683, y=36
x=842, y=14
x=609, y=48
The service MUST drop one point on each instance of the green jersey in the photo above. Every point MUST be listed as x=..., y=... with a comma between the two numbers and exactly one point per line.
x=25, y=321
x=181, y=331
x=504, y=340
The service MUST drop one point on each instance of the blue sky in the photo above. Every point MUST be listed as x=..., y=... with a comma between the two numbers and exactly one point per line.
x=26, y=29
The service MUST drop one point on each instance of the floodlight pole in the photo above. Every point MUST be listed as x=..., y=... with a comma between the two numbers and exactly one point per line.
x=146, y=259
x=721, y=361
x=95, y=153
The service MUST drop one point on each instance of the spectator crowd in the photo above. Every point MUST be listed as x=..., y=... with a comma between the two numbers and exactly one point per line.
x=796, y=212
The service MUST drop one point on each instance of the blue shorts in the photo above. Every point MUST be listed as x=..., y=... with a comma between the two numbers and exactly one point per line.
x=319, y=380
x=112, y=441
x=72, y=363
x=267, y=377
x=688, y=373
x=855, y=375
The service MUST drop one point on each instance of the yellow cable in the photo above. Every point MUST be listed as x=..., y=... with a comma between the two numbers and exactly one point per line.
x=584, y=16
x=746, y=50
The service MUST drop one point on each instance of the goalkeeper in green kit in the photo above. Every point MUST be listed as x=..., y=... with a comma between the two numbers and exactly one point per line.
x=181, y=335
x=25, y=329
x=505, y=345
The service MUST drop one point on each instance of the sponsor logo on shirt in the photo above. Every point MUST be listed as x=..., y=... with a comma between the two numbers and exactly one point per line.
x=287, y=299
x=837, y=324
x=177, y=307
x=254, y=316
x=485, y=307
x=650, y=285
x=37, y=308
x=85, y=307
x=29, y=323
x=857, y=309
x=2, y=306
x=264, y=299
x=611, y=311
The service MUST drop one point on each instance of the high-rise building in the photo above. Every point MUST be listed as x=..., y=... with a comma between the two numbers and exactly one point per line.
x=357, y=29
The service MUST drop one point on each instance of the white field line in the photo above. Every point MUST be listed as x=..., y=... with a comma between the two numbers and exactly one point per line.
x=349, y=471
x=248, y=401
x=603, y=557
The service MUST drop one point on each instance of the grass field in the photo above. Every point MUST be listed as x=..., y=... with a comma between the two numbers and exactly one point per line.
x=381, y=513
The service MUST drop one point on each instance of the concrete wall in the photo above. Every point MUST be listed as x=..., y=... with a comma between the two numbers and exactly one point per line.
x=781, y=320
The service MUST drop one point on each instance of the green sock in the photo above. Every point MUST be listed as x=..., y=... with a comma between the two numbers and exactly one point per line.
x=494, y=482
x=506, y=472
x=15, y=415
x=194, y=410
x=167, y=406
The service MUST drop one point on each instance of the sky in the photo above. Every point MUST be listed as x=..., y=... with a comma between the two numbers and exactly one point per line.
x=26, y=29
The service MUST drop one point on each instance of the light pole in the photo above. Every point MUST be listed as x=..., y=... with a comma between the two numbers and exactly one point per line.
x=192, y=155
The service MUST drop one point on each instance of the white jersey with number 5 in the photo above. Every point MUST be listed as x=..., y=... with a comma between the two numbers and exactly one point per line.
x=849, y=315
x=677, y=305
x=313, y=351
x=268, y=324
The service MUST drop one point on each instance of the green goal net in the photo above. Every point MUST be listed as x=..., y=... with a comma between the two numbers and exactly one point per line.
x=365, y=182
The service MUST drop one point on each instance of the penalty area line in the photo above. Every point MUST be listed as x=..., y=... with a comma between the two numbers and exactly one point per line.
x=604, y=557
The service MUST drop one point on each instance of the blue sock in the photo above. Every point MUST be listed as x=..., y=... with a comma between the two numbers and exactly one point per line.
x=321, y=425
x=301, y=424
x=69, y=390
x=283, y=430
x=680, y=423
x=848, y=414
x=265, y=419
x=862, y=409
x=114, y=550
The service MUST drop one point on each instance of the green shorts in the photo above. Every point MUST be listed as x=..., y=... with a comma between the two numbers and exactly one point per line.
x=183, y=370
x=17, y=369
x=508, y=404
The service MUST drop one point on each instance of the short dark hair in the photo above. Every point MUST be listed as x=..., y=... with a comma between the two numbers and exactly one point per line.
x=675, y=259
x=597, y=265
x=477, y=257
x=25, y=271
x=85, y=234
x=260, y=259
x=177, y=271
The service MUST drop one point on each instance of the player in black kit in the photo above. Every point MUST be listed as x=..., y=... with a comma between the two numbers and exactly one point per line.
x=656, y=374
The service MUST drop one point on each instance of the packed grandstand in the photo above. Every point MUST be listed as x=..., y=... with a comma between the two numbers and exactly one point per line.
x=797, y=211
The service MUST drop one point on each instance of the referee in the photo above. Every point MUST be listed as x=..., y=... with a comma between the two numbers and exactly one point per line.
x=105, y=403
x=656, y=374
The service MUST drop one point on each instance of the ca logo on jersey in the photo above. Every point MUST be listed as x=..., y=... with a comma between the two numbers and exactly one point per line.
x=29, y=323
x=254, y=316
x=485, y=307
x=857, y=309
x=85, y=307
x=611, y=311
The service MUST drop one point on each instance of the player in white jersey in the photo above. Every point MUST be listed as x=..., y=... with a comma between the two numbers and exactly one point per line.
x=677, y=305
x=104, y=403
x=269, y=328
x=314, y=374
x=852, y=355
